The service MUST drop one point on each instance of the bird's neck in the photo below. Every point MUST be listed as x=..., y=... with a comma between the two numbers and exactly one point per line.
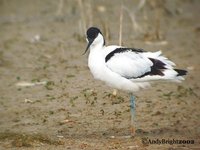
x=96, y=56
x=95, y=46
x=98, y=43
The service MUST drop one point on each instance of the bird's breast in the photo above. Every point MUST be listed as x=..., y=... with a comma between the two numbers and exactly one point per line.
x=96, y=63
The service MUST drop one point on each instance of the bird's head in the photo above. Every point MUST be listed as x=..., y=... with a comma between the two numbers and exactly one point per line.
x=94, y=38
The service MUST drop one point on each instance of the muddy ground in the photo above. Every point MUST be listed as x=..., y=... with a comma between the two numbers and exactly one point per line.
x=49, y=99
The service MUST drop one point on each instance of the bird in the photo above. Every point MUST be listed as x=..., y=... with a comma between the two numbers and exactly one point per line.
x=128, y=69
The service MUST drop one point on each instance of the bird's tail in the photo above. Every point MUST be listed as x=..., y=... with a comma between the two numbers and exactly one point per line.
x=175, y=75
x=180, y=72
x=179, y=75
x=162, y=69
x=170, y=73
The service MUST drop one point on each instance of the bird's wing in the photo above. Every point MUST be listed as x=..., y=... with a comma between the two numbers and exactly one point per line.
x=132, y=63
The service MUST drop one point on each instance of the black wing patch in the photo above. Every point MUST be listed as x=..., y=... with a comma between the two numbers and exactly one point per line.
x=181, y=72
x=156, y=69
x=122, y=50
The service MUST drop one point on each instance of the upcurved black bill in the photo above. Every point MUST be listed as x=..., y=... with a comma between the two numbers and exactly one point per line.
x=89, y=43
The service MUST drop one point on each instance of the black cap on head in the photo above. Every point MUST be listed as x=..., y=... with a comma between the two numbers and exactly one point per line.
x=92, y=33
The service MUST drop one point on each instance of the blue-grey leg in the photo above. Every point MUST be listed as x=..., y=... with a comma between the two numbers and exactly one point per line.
x=132, y=107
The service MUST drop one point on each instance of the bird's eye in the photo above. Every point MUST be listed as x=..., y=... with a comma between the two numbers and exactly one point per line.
x=88, y=38
x=92, y=35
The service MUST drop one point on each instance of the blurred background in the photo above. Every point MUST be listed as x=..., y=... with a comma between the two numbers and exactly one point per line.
x=48, y=98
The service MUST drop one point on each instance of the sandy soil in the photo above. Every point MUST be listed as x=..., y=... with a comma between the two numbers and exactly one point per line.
x=43, y=41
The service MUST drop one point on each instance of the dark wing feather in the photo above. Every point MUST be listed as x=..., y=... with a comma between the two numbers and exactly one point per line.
x=131, y=64
x=121, y=50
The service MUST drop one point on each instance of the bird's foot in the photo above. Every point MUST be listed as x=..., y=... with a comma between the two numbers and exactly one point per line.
x=132, y=131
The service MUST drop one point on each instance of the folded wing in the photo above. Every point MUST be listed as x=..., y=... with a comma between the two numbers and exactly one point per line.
x=129, y=63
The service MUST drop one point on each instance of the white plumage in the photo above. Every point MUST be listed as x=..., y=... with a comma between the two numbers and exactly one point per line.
x=125, y=68
x=128, y=69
